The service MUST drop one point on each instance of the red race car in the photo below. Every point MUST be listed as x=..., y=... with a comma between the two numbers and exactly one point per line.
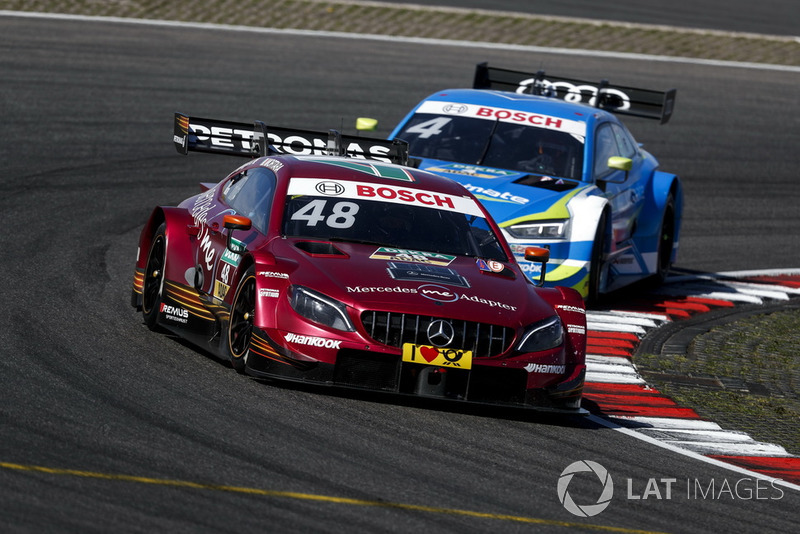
x=324, y=259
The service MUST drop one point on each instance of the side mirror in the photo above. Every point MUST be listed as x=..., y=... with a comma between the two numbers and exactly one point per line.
x=620, y=163
x=540, y=255
x=366, y=124
x=235, y=222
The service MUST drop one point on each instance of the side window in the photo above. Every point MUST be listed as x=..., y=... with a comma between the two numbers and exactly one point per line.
x=250, y=194
x=627, y=147
x=605, y=147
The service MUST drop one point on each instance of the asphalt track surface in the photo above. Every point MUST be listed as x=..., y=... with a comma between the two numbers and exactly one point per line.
x=107, y=426
x=771, y=17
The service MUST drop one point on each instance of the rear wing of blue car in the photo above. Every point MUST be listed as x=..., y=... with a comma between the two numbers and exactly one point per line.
x=615, y=98
x=256, y=139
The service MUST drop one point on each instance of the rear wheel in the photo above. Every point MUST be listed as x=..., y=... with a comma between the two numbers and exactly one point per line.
x=240, y=328
x=153, y=285
x=596, y=265
x=666, y=240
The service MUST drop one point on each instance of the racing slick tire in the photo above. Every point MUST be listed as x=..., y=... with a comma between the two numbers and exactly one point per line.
x=596, y=264
x=666, y=239
x=240, y=327
x=153, y=285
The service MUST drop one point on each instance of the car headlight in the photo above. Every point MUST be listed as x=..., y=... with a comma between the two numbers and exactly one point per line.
x=546, y=334
x=556, y=229
x=319, y=308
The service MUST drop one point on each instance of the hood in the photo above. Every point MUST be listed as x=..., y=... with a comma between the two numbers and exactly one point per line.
x=508, y=194
x=370, y=277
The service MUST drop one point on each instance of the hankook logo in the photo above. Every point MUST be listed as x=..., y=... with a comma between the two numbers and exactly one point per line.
x=440, y=333
x=330, y=188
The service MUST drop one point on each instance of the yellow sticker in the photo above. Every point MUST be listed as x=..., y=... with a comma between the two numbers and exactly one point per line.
x=440, y=357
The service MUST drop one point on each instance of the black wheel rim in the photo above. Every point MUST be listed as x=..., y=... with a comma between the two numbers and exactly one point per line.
x=154, y=275
x=241, y=329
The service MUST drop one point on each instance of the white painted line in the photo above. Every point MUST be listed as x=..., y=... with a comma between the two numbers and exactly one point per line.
x=668, y=423
x=642, y=315
x=710, y=436
x=620, y=365
x=613, y=378
x=732, y=449
x=730, y=296
x=600, y=317
x=413, y=40
x=690, y=454
x=614, y=327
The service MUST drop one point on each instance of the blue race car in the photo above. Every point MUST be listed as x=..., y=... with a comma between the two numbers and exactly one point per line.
x=557, y=169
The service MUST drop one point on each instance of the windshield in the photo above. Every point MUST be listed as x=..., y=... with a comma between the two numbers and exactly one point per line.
x=391, y=224
x=505, y=145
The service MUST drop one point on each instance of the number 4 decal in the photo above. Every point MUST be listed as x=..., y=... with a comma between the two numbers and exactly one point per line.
x=429, y=128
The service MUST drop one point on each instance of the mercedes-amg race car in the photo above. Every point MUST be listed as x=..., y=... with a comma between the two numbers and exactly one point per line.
x=320, y=260
x=557, y=169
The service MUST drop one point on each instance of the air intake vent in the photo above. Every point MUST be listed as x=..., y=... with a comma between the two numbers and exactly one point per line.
x=395, y=329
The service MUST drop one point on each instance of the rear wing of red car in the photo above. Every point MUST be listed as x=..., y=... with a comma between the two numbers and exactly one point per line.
x=257, y=139
x=615, y=98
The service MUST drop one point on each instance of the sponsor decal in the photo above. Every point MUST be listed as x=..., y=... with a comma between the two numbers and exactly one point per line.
x=220, y=290
x=491, y=266
x=416, y=272
x=202, y=205
x=272, y=164
x=471, y=170
x=545, y=369
x=232, y=258
x=329, y=188
x=312, y=341
x=508, y=115
x=415, y=256
x=273, y=274
x=432, y=292
x=396, y=289
x=491, y=194
x=386, y=193
x=436, y=292
x=576, y=329
x=576, y=93
x=266, y=292
x=205, y=250
x=569, y=308
x=174, y=313
x=437, y=356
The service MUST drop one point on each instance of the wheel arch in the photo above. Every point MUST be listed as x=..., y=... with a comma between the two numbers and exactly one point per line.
x=663, y=185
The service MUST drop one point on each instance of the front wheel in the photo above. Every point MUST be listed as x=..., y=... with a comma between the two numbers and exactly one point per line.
x=596, y=264
x=666, y=240
x=240, y=328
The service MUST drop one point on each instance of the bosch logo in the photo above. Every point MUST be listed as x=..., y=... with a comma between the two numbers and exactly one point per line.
x=330, y=188
x=436, y=292
x=440, y=333
x=455, y=109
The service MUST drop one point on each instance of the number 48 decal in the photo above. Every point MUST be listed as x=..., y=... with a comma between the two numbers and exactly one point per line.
x=342, y=214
